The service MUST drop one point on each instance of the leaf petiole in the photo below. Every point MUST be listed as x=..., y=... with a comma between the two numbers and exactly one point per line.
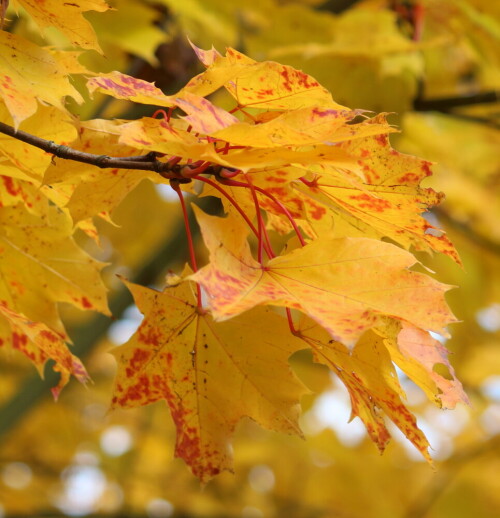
x=235, y=204
x=174, y=183
x=285, y=211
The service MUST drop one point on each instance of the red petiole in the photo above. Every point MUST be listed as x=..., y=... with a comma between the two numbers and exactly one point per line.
x=235, y=204
x=265, y=243
x=175, y=186
x=285, y=211
x=261, y=227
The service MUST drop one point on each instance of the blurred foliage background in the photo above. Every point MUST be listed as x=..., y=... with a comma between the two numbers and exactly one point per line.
x=435, y=65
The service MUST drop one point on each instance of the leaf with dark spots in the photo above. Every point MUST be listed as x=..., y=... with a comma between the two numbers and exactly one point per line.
x=39, y=343
x=388, y=201
x=178, y=354
x=372, y=383
x=271, y=85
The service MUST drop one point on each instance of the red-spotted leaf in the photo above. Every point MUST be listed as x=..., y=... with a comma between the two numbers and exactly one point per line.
x=370, y=377
x=41, y=265
x=388, y=201
x=211, y=374
x=39, y=344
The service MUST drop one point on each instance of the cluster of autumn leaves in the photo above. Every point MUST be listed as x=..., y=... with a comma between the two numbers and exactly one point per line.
x=284, y=158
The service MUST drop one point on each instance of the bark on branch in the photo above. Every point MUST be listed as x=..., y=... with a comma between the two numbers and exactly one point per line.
x=147, y=162
x=444, y=104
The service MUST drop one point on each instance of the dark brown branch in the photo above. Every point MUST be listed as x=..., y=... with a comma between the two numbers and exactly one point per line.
x=469, y=233
x=448, y=471
x=491, y=121
x=336, y=6
x=148, y=162
x=445, y=104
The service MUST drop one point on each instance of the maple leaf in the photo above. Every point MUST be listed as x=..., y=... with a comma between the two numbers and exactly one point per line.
x=389, y=201
x=271, y=85
x=372, y=382
x=68, y=18
x=39, y=343
x=211, y=374
x=421, y=357
x=41, y=265
x=22, y=64
x=347, y=285
x=302, y=127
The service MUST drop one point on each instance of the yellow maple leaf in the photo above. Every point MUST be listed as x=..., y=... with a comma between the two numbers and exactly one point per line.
x=389, y=201
x=347, y=285
x=41, y=265
x=28, y=74
x=370, y=377
x=422, y=357
x=39, y=343
x=273, y=86
x=302, y=127
x=68, y=18
x=210, y=374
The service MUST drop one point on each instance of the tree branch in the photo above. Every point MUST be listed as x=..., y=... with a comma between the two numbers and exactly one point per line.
x=148, y=162
x=448, y=471
x=469, y=233
x=444, y=104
